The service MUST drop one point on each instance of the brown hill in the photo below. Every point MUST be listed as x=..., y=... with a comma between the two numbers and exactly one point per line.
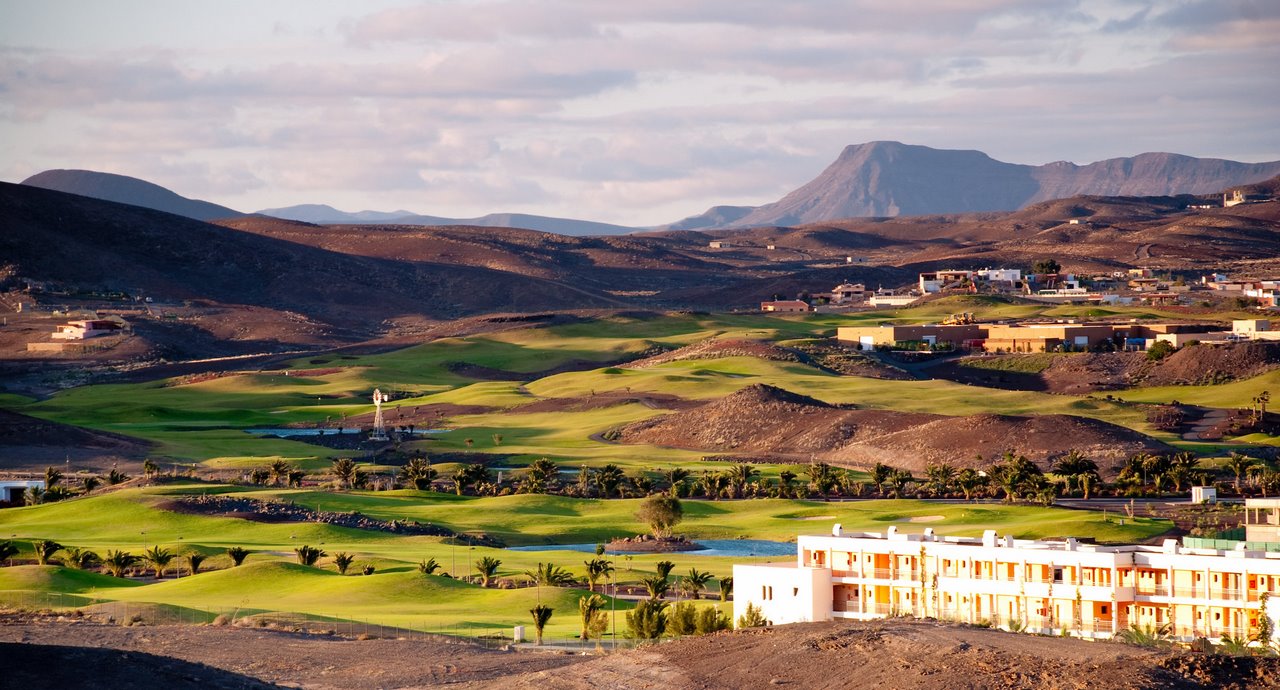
x=29, y=444
x=762, y=419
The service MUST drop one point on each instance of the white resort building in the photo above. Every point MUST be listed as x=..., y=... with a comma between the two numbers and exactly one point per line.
x=1034, y=586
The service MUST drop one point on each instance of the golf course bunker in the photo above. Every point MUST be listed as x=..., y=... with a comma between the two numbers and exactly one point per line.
x=923, y=518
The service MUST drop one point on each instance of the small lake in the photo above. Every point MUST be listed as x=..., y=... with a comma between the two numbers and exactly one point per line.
x=287, y=432
x=713, y=547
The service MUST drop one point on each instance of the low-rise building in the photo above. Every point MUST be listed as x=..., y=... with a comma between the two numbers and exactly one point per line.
x=849, y=293
x=1045, y=587
x=786, y=305
x=83, y=330
x=15, y=490
x=719, y=244
x=870, y=337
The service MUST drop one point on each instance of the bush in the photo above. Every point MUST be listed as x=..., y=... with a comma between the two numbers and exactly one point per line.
x=661, y=512
x=712, y=620
x=646, y=621
x=752, y=618
x=682, y=619
x=1159, y=350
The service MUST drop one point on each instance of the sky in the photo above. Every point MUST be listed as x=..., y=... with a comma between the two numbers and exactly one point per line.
x=636, y=113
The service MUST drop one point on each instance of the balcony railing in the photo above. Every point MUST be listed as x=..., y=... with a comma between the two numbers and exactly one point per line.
x=1189, y=592
x=1230, y=593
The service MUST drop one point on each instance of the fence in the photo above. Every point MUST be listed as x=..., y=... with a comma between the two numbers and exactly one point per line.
x=488, y=635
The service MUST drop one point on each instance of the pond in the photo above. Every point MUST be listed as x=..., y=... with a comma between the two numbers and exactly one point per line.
x=712, y=547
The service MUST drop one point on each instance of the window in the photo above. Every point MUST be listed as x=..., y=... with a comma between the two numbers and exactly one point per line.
x=1102, y=609
x=795, y=591
x=766, y=593
x=1057, y=575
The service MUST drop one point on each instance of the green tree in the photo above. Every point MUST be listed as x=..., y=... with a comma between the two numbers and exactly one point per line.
x=898, y=481
x=237, y=554
x=52, y=477
x=80, y=559
x=752, y=618
x=593, y=617
x=309, y=555
x=543, y=477
x=7, y=551
x=880, y=474
x=693, y=583
x=158, y=558
x=821, y=479
x=608, y=479
x=1239, y=464
x=418, y=473
x=280, y=470
x=541, y=614
x=117, y=562
x=45, y=548
x=343, y=561
x=1077, y=470
x=664, y=568
x=726, y=588
x=682, y=619
x=940, y=477
x=712, y=619
x=150, y=468
x=786, y=484
x=1159, y=350
x=661, y=512
x=1046, y=267
x=675, y=480
x=645, y=621
x=88, y=484
x=597, y=569
x=487, y=567
x=428, y=566
x=551, y=575
x=349, y=476
x=656, y=586
x=194, y=560
x=970, y=480
x=740, y=474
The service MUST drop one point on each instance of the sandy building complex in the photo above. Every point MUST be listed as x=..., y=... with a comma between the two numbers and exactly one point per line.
x=1035, y=586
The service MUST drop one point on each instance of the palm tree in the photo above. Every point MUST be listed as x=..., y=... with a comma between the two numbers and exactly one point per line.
x=1239, y=464
x=150, y=468
x=347, y=473
x=45, y=548
x=418, y=473
x=740, y=474
x=656, y=586
x=88, y=484
x=158, y=558
x=1184, y=468
x=591, y=608
x=80, y=559
x=786, y=479
x=237, y=554
x=487, y=567
x=597, y=568
x=1156, y=467
x=693, y=583
x=116, y=477
x=879, y=475
x=541, y=614
x=117, y=562
x=309, y=555
x=941, y=477
x=543, y=476
x=898, y=480
x=461, y=479
x=194, y=559
x=428, y=566
x=664, y=568
x=52, y=476
x=7, y=551
x=1077, y=469
x=675, y=479
x=821, y=478
x=550, y=575
x=970, y=480
x=608, y=479
x=343, y=560
x=280, y=470
x=726, y=588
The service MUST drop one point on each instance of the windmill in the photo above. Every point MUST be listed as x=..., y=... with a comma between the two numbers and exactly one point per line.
x=379, y=426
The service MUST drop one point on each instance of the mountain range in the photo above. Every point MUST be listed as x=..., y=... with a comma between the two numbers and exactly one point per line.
x=876, y=179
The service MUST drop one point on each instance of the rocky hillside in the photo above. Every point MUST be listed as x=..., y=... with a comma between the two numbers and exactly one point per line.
x=764, y=420
x=887, y=178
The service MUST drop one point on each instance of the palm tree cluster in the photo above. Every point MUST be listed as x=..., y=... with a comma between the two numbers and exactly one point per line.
x=57, y=488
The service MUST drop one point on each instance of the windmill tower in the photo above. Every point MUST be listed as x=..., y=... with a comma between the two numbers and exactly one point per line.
x=379, y=426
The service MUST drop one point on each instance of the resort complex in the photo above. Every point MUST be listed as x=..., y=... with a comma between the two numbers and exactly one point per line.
x=1036, y=586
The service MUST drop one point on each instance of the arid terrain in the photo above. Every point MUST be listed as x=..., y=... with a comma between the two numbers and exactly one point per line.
x=888, y=654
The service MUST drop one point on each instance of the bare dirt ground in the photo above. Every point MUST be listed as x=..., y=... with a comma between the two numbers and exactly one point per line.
x=888, y=654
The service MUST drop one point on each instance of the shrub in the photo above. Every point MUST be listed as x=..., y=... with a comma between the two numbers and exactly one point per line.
x=712, y=620
x=752, y=618
x=660, y=512
x=309, y=555
x=237, y=554
x=682, y=619
x=646, y=621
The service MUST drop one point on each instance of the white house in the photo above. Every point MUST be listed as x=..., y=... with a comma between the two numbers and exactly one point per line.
x=12, y=491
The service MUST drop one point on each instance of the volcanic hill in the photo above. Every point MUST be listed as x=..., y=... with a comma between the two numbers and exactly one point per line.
x=764, y=420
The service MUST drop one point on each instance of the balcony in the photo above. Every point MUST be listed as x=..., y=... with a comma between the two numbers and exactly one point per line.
x=1227, y=593
x=1189, y=592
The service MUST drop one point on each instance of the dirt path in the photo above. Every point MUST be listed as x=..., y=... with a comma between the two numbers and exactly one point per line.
x=898, y=654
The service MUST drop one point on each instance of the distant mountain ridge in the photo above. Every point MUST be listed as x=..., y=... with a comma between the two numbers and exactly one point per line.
x=889, y=178
x=327, y=215
x=128, y=190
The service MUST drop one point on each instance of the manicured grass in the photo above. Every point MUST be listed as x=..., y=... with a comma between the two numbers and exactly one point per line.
x=1026, y=364
x=1237, y=394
